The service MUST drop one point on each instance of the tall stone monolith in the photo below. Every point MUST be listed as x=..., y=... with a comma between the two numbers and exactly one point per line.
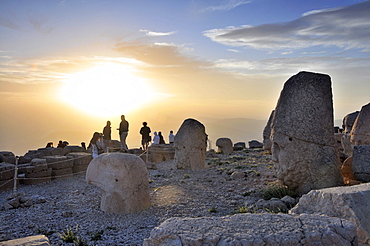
x=302, y=134
x=190, y=145
x=360, y=133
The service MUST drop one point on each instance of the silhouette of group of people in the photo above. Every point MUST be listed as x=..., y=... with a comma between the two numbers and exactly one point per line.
x=157, y=139
x=99, y=143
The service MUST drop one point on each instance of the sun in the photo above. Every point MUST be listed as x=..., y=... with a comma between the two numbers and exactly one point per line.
x=106, y=90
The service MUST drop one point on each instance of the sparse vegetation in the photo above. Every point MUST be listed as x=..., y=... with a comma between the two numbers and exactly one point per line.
x=212, y=210
x=186, y=176
x=242, y=210
x=69, y=235
x=97, y=235
x=277, y=191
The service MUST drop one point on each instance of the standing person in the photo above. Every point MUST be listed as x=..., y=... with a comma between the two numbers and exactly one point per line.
x=161, y=139
x=155, y=138
x=107, y=131
x=123, y=132
x=171, y=137
x=94, y=144
x=145, y=137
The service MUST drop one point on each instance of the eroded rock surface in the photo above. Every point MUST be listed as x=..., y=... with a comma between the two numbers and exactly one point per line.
x=302, y=134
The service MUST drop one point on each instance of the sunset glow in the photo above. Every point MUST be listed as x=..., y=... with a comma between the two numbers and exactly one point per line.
x=105, y=90
x=67, y=66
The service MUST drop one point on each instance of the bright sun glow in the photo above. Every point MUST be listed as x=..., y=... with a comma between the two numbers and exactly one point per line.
x=106, y=90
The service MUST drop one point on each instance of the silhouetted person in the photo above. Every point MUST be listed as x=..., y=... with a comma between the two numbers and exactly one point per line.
x=107, y=136
x=94, y=144
x=123, y=132
x=171, y=137
x=83, y=145
x=161, y=139
x=155, y=138
x=61, y=144
x=49, y=145
x=145, y=137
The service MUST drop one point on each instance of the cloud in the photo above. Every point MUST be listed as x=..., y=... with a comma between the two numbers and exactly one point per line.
x=225, y=5
x=347, y=27
x=156, y=34
x=291, y=65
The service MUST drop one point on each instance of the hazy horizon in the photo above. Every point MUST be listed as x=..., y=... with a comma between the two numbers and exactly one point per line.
x=66, y=66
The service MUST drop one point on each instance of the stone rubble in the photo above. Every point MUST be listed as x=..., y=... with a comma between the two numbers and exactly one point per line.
x=71, y=202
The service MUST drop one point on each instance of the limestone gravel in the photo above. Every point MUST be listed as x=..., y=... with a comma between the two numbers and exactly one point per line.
x=71, y=203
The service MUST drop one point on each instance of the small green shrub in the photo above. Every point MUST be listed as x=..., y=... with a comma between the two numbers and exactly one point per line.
x=278, y=191
x=212, y=210
x=97, y=235
x=69, y=235
x=186, y=176
x=242, y=210
x=80, y=242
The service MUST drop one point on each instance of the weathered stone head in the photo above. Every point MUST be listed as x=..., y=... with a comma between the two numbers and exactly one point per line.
x=302, y=134
x=124, y=181
x=225, y=145
x=190, y=145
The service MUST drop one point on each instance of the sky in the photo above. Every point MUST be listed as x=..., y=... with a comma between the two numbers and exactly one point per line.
x=68, y=66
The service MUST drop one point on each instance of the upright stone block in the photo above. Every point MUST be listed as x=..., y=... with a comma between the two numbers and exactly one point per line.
x=190, y=145
x=303, y=150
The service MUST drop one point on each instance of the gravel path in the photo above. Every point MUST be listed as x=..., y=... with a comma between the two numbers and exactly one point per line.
x=72, y=203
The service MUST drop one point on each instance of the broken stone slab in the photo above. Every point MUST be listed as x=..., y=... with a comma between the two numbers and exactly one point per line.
x=351, y=203
x=361, y=162
x=39, y=240
x=254, y=229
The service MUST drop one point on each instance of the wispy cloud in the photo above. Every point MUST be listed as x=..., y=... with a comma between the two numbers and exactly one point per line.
x=225, y=5
x=347, y=27
x=156, y=34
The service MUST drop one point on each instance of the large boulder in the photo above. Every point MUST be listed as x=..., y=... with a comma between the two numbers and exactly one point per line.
x=360, y=133
x=38, y=240
x=255, y=144
x=190, y=145
x=225, y=145
x=361, y=162
x=351, y=203
x=267, y=144
x=123, y=179
x=254, y=229
x=303, y=149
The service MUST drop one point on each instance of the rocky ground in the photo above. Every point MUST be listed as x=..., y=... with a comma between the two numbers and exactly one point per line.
x=232, y=184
